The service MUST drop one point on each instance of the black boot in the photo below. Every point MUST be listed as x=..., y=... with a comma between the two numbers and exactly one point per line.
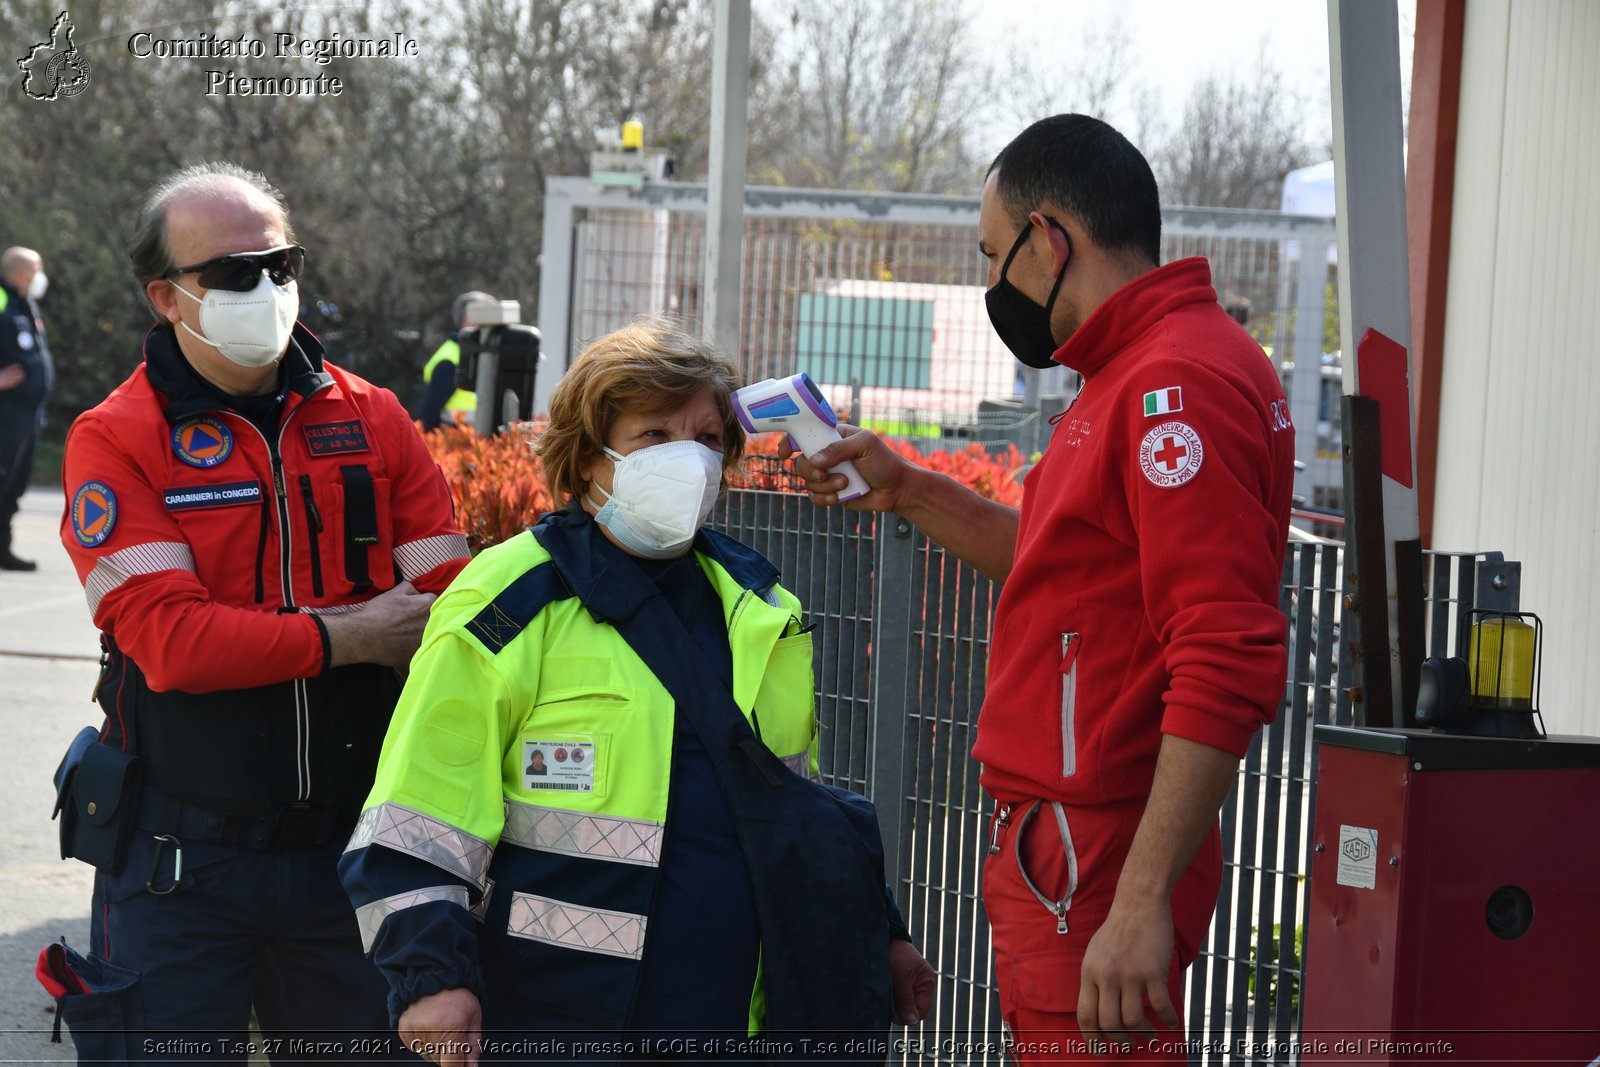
x=8, y=562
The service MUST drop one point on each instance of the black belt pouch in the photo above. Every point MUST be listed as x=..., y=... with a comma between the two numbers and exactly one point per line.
x=97, y=796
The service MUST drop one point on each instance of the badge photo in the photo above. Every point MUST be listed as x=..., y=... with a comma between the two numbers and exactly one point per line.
x=566, y=765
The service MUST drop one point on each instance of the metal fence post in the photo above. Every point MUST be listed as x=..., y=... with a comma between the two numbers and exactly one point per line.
x=556, y=282
x=889, y=685
x=1305, y=388
x=730, y=81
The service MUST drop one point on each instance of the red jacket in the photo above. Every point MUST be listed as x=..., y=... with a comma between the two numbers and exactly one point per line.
x=207, y=547
x=1144, y=596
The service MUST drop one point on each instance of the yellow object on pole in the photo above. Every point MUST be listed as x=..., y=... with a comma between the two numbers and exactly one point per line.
x=632, y=135
x=1500, y=660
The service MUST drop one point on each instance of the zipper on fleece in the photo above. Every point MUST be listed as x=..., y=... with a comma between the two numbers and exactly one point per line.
x=1071, y=645
x=314, y=525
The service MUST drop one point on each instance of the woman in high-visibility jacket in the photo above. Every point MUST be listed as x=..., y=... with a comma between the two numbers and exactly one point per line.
x=667, y=869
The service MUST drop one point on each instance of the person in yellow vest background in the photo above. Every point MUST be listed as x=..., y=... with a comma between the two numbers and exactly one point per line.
x=442, y=399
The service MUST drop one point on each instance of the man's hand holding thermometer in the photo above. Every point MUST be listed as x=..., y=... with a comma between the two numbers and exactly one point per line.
x=981, y=532
x=795, y=406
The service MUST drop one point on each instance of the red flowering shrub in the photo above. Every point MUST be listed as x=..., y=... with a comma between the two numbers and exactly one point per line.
x=497, y=482
x=499, y=488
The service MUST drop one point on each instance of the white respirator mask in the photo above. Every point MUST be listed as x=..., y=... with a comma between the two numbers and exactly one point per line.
x=251, y=329
x=37, y=287
x=660, y=496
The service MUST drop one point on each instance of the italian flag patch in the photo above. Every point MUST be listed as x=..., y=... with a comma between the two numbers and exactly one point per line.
x=1164, y=401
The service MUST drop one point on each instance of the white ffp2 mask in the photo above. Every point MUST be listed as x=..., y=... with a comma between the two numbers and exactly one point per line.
x=251, y=329
x=660, y=496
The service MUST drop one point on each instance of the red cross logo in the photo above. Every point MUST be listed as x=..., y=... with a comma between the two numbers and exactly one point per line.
x=1171, y=454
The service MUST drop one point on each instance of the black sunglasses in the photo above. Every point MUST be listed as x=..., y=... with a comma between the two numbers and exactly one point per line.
x=241, y=271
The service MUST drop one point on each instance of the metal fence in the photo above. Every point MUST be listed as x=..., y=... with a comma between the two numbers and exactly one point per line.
x=903, y=634
x=880, y=298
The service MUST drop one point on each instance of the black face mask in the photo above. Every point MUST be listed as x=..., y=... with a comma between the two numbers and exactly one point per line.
x=1023, y=325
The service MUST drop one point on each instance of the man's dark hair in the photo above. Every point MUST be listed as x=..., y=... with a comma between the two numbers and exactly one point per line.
x=1092, y=171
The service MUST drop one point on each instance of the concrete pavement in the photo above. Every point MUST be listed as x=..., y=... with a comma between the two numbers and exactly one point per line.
x=49, y=656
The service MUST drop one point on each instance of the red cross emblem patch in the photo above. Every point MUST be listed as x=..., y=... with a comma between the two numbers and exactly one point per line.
x=1170, y=454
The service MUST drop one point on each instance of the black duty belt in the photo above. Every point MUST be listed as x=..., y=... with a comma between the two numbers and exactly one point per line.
x=289, y=827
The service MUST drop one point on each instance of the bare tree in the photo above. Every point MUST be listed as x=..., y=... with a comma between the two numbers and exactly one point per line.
x=1239, y=136
x=426, y=176
x=1096, y=76
x=884, y=102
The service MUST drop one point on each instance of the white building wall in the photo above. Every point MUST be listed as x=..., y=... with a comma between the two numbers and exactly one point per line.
x=1519, y=436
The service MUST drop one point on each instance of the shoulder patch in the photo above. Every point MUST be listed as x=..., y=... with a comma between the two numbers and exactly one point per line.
x=1163, y=401
x=509, y=613
x=1171, y=454
x=202, y=441
x=94, y=513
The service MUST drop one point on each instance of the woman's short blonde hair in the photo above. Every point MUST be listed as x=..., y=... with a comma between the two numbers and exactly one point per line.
x=648, y=368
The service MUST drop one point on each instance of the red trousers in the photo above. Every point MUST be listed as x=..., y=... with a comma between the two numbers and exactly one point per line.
x=1036, y=966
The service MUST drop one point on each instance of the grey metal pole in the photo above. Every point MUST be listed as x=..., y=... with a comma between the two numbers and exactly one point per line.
x=486, y=418
x=555, y=291
x=730, y=90
x=1374, y=276
x=1305, y=388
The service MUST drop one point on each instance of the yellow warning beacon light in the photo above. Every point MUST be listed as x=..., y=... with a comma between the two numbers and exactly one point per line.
x=1492, y=691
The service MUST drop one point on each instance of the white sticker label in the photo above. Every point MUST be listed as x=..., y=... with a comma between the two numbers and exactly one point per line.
x=1358, y=857
x=558, y=765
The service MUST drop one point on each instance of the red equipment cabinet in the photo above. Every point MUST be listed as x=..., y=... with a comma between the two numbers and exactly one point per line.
x=1455, y=900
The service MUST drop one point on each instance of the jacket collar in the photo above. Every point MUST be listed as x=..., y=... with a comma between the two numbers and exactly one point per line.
x=1133, y=309
x=169, y=371
x=610, y=584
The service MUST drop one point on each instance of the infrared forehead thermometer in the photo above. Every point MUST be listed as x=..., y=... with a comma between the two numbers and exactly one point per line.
x=795, y=406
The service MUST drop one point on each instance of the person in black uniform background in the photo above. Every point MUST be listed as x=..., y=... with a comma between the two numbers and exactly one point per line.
x=26, y=376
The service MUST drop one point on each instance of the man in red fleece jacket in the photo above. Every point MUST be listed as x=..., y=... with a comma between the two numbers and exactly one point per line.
x=1137, y=644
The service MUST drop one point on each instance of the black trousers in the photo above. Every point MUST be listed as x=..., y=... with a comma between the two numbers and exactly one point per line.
x=176, y=968
x=19, y=432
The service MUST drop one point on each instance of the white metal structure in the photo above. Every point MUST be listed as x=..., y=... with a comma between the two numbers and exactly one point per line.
x=1520, y=386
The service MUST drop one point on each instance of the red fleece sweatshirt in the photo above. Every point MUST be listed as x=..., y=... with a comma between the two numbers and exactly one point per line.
x=1144, y=597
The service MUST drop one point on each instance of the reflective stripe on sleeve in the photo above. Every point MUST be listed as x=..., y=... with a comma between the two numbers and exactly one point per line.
x=336, y=609
x=405, y=830
x=555, y=922
x=371, y=916
x=421, y=556
x=151, y=558
x=578, y=833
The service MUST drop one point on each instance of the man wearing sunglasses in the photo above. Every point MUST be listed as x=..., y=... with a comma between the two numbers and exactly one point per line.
x=259, y=534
